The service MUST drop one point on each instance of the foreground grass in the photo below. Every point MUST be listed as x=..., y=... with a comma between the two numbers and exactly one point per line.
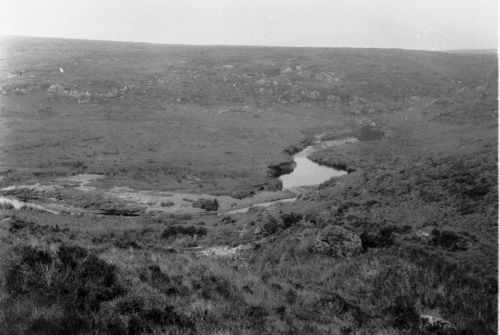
x=134, y=276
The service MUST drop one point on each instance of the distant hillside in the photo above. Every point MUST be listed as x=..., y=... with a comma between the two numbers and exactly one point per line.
x=474, y=51
x=214, y=75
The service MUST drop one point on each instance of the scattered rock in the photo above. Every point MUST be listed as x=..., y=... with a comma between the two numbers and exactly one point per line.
x=336, y=241
x=258, y=230
x=20, y=91
x=424, y=235
x=312, y=95
x=224, y=251
x=58, y=90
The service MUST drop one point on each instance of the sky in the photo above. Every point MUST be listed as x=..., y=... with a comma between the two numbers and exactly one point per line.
x=407, y=24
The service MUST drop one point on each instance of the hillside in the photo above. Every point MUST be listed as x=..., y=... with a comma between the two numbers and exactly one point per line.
x=96, y=135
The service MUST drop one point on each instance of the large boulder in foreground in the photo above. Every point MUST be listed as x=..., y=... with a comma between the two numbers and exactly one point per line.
x=336, y=241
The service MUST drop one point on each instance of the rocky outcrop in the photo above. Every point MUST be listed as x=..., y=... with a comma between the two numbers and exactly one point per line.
x=436, y=325
x=336, y=241
x=58, y=90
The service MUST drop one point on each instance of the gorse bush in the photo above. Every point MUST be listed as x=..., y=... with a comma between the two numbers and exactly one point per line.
x=70, y=279
x=81, y=294
x=290, y=219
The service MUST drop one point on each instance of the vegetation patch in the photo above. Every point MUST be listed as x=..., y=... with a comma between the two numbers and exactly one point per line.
x=173, y=231
x=207, y=204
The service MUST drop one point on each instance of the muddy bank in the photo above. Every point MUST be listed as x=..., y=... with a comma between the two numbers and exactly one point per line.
x=277, y=170
x=85, y=194
x=13, y=203
x=337, y=164
x=92, y=194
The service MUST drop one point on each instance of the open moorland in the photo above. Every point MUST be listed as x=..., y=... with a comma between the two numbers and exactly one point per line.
x=128, y=172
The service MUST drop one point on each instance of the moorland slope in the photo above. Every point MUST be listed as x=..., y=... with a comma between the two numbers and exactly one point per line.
x=406, y=243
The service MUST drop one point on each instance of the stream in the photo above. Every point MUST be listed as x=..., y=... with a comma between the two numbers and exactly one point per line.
x=305, y=174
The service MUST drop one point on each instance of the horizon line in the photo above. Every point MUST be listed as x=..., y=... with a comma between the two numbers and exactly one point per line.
x=246, y=45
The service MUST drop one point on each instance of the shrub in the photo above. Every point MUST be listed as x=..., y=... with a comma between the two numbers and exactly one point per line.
x=17, y=224
x=207, y=204
x=6, y=205
x=271, y=226
x=383, y=238
x=449, y=240
x=140, y=312
x=210, y=285
x=72, y=279
x=126, y=242
x=181, y=230
x=161, y=281
x=227, y=220
x=290, y=219
x=335, y=304
x=402, y=313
